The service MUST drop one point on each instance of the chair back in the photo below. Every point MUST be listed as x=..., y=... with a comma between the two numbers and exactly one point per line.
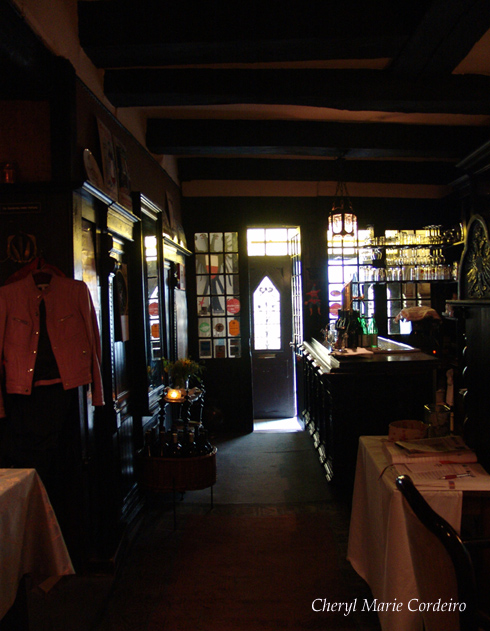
x=442, y=565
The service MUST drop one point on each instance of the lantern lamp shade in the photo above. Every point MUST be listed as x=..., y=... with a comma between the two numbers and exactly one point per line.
x=342, y=223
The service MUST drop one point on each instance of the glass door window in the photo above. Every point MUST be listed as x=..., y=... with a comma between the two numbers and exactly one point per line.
x=276, y=304
x=267, y=316
x=270, y=242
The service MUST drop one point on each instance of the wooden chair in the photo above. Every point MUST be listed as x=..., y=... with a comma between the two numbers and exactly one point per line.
x=442, y=565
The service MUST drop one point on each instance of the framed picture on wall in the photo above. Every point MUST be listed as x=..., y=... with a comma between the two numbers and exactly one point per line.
x=178, y=231
x=123, y=179
x=171, y=217
x=109, y=168
x=165, y=218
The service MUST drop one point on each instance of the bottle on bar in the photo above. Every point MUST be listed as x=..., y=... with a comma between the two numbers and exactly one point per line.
x=190, y=450
x=373, y=332
x=354, y=329
x=202, y=441
x=175, y=450
x=340, y=326
x=163, y=445
x=364, y=332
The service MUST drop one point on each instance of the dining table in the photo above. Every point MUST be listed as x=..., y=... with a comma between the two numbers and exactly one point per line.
x=31, y=541
x=378, y=544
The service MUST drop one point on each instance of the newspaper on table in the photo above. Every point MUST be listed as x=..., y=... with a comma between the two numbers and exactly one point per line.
x=452, y=448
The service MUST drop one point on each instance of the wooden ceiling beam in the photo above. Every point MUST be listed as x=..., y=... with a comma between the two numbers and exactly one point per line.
x=353, y=90
x=446, y=34
x=317, y=170
x=306, y=138
x=186, y=32
x=319, y=190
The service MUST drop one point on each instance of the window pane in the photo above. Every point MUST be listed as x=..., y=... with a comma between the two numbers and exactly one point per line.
x=394, y=307
x=393, y=327
x=150, y=247
x=219, y=348
x=256, y=241
x=216, y=263
x=216, y=242
x=256, y=249
x=219, y=327
x=204, y=327
x=231, y=241
x=235, y=347
x=202, y=284
x=201, y=242
x=276, y=249
x=217, y=287
x=151, y=267
x=203, y=305
x=202, y=263
x=233, y=326
x=279, y=235
x=217, y=305
x=205, y=349
x=233, y=305
x=232, y=284
x=231, y=261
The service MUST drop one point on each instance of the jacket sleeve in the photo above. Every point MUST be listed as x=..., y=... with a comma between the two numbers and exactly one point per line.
x=90, y=318
x=3, y=322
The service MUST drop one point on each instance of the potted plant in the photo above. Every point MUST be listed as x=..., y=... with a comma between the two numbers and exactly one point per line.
x=181, y=371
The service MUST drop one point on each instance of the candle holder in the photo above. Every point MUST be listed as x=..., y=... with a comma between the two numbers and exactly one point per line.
x=175, y=395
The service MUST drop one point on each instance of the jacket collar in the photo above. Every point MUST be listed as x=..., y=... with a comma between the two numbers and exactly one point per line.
x=33, y=287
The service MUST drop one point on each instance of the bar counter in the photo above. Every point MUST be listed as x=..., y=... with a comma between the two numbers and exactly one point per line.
x=348, y=395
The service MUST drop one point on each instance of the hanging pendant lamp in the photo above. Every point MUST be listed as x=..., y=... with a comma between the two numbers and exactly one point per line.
x=342, y=220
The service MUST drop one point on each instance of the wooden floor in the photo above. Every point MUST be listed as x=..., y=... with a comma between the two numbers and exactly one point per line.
x=270, y=472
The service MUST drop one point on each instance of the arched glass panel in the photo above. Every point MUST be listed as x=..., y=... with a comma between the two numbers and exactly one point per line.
x=267, y=316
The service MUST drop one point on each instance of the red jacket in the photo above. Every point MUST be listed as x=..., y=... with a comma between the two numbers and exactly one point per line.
x=72, y=328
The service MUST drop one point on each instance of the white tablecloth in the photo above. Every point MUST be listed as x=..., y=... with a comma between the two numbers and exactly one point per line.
x=378, y=546
x=30, y=538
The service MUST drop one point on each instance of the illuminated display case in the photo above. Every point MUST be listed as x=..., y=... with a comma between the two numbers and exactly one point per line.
x=396, y=271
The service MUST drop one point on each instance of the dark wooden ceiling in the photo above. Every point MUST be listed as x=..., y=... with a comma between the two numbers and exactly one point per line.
x=263, y=93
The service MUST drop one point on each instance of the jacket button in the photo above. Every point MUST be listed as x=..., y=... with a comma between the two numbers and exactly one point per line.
x=30, y=369
x=34, y=352
x=36, y=332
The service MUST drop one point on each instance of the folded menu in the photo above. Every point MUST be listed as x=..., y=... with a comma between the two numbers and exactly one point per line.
x=444, y=448
x=436, y=476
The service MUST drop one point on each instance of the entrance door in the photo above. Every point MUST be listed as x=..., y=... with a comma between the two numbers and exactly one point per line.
x=273, y=378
